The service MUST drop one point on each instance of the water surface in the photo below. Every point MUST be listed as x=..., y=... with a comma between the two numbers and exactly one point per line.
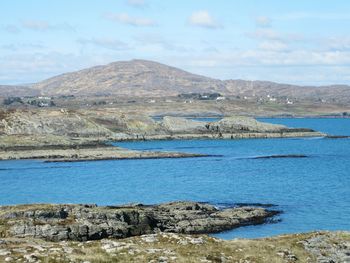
x=313, y=192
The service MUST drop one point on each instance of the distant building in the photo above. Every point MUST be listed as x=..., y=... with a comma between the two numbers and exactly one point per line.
x=43, y=104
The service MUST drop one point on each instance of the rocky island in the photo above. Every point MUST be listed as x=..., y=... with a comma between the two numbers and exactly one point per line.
x=76, y=135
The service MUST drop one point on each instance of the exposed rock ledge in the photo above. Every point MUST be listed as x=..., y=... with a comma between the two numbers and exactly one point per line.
x=90, y=222
x=61, y=148
x=111, y=124
x=82, y=135
x=90, y=154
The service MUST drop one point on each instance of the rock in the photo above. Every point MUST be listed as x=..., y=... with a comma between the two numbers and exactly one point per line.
x=244, y=124
x=111, y=124
x=182, y=125
x=84, y=222
x=281, y=156
x=4, y=252
x=287, y=255
x=77, y=135
x=322, y=247
x=149, y=238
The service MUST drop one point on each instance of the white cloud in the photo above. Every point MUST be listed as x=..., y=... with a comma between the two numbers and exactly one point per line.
x=265, y=33
x=137, y=3
x=263, y=21
x=202, y=18
x=340, y=43
x=42, y=25
x=315, y=16
x=271, y=34
x=23, y=46
x=108, y=43
x=273, y=45
x=129, y=20
x=163, y=43
x=31, y=67
x=36, y=25
x=300, y=57
x=11, y=29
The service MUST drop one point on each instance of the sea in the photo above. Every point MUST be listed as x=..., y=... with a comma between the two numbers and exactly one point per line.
x=312, y=193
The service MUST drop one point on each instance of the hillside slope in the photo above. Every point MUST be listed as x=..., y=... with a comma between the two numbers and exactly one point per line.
x=142, y=78
x=135, y=77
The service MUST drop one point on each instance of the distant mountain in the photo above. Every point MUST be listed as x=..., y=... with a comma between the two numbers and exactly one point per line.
x=247, y=88
x=11, y=90
x=148, y=78
x=135, y=77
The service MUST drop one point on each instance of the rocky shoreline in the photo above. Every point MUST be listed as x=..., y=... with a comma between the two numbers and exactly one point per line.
x=91, y=222
x=85, y=135
x=90, y=154
x=170, y=232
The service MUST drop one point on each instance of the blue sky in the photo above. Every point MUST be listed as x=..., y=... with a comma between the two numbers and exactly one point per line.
x=292, y=41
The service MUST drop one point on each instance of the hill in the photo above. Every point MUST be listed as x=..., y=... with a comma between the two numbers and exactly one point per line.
x=151, y=79
x=11, y=90
x=130, y=78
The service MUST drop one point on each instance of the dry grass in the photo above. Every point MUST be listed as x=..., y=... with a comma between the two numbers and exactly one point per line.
x=174, y=248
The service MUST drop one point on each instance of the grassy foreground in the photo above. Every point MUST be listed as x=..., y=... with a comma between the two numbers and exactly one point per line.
x=167, y=247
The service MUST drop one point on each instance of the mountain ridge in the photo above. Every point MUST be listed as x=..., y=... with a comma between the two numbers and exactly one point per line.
x=152, y=79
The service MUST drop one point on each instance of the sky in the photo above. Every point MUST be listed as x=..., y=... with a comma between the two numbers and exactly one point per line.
x=291, y=41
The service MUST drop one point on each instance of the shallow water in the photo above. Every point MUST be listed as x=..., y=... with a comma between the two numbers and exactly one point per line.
x=313, y=192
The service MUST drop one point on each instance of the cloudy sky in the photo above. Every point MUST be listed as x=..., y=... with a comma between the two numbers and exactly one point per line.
x=291, y=41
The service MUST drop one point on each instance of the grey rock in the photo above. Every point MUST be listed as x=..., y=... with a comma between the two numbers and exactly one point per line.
x=326, y=251
x=82, y=223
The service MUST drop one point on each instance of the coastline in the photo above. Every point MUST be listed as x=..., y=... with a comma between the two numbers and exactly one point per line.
x=64, y=149
x=170, y=232
x=90, y=154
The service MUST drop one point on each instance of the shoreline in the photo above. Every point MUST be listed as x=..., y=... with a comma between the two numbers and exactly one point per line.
x=257, y=116
x=168, y=232
x=84, y=222
x=75, y=151
x=90, y=154
x=225, y=136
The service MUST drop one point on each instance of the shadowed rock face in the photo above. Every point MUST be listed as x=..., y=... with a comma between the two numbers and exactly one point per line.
x=89, y=222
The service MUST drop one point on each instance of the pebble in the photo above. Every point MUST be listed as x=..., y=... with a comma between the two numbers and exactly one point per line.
x=4, y=252
x=149, y=238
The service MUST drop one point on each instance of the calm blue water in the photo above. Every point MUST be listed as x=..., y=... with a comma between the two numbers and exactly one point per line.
x=313, y=192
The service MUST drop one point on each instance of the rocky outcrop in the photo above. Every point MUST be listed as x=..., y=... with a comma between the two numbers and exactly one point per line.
x=112, y=125
x=82, y=134
x=90, y=222
x=330, y=247
x=244, y=124
x=279, y=156
x=178, y=125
